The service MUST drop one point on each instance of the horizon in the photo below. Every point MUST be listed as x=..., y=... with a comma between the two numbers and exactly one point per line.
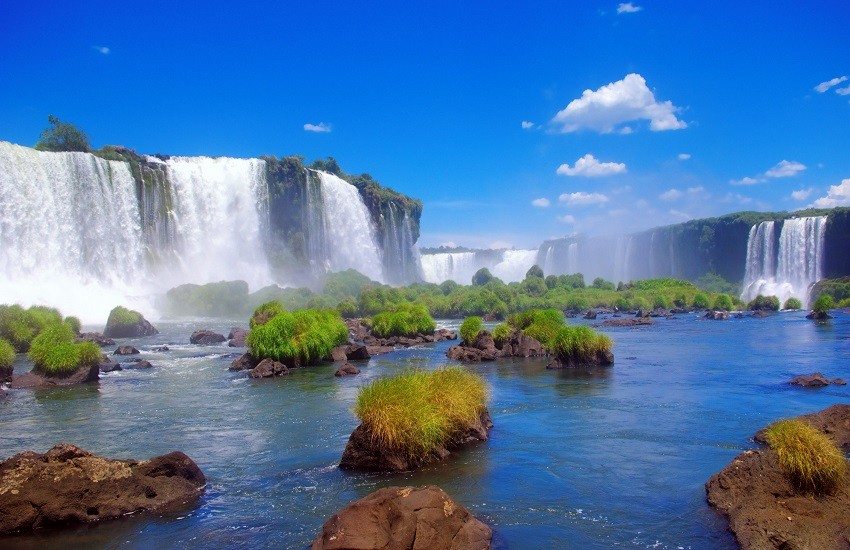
x=512, y=125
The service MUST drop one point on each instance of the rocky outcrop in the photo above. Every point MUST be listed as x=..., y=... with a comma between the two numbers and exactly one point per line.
x=484, y=348
x=68, y=486
x=97, y=338
x=246, y=361
x=350, y=352
x=360, y=333
x=347, y=370
x=37, y=378
x=404, y=518
x=6, y=373
x=363, y=453
x=107, y=365
x=268, y=368
x=765, y=510
x=133, y=325
x=815, y=380
x=602, y=358
x=125, y=350
x=717, y=315
x=206, y=337
x=626, y=322
x=137, y=364
x=237, y=337
x=819, y=316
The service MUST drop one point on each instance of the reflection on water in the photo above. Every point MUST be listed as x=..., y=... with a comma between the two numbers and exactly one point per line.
x=579, y=458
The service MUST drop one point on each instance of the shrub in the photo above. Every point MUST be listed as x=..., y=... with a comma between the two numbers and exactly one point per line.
x=347, y=308
x=265, y=312
x=470, y=328
x=404, y=320
x=300, y=338
x=501, y=333
x=700, y=301
x=602, y=284
x=640, y=303
x=823, y=304
x=121, y=321
x=621, y=304
x=540, y=324
x=792, y=303
x=416, y=412
x=7, y=354
x=764, y=303
x=74, y=323
x=534, y=271
x=579, y=343
x=19, y=326
x=723, y=302
x=812, y=461
x=482, y=277
x=577, y=304
x=62, y=136
x=658, y=302
x=55, y=352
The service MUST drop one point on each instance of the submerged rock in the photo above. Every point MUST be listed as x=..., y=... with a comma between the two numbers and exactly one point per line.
x=404, y=518
x=97, y=338
x=125, y=350
x=39, y=379
x=347, y=370
x=68, y=486
x=268, y=368
x=626, y=322
x=206, y=337
x=815, y=380
x=237, y=337
x=246, y=361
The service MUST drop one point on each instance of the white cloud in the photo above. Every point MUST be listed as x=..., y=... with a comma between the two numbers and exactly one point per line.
x=838, y=195
x=628, y=7
x=684, y=156
x=567, y=218
x=695, y=190
x=681, y=215
x=449, y=244
x=824, y=86
x=736, y=197
x=541, y=202
x=581, y=198
x=746, y=181
x=500, y=244
x=617, y=212
x=615, y=104
x=802, y=194
x=320, y=127
x=785, y=169
x=526, y=125
x=102, y=49
x=589, y=167
x=843, y=91
x=671, y=195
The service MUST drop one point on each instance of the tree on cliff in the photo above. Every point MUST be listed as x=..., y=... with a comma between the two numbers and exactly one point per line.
x=62, y=136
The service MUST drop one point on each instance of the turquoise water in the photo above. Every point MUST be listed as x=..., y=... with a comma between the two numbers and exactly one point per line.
x=600, y=458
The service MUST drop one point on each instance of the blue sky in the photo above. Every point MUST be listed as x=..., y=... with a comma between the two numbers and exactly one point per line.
x=513, y=121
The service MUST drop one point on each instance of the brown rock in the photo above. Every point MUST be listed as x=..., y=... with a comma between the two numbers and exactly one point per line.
x=6, y=373
x=814, y=380
x=347, y=370
x=244, y=362
x=237, y=337
x=357, y=352
x=337, y=354
x=68, y=486
x=626, y=322
x=404, y=518
x=442, y=334
x=125, y=350
x=268, y=368
x=600, y=359
x=97, y=338
x=378, y=350
x=38, y=379
x=206, y=337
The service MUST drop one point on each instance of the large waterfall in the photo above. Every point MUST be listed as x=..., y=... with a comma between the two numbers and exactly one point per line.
x=508, y=265
x=788, y=266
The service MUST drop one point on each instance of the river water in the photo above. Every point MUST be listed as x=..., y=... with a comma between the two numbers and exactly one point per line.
x=600, y=458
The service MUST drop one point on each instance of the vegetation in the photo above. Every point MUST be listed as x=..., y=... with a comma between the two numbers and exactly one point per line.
x=501, y=333
x=839, y=288
x=723, y=302
x=62, y=136
x=417, y=412
x=812, y=461
x=265, y=312
x=579, y=343
x=212, y=299
x=403, y=320
x=470, y=328
x=7, y=355
x=296, y=339
x=19, y=326
x=700, y=301
x=482, y=277
x=540, y=324
x=792, y=303
x=823, y=304
x=764, y=303
x=55, y=352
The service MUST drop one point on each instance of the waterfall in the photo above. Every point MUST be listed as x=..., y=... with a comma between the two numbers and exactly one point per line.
x=788, y=267
x=401, y=264
x=514, y=265
x=449, y=266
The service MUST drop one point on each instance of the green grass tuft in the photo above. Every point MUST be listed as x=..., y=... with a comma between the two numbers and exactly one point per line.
x=7, y=354
x=300, y=338
x=404, y=320
x=501, y=333
x=579, y=343
x=792, y=303
x=812, y=461
x=55, y=352
x=470, y=328
x=540, y=324
x=416, y=412
x=265, y=312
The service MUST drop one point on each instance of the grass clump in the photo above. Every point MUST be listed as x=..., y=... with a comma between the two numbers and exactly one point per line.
x=416, y=412
x=470, y=328
x=764, y=303
x=296, y=339
x=54, y=351
x=540, y=324
x=812, y=461
x=579, y=344
x=501, y=333
x=792, y=303
x=19, y=326
x=404, y=320
x=265, y=312
x=823, y=304
x=7, y=355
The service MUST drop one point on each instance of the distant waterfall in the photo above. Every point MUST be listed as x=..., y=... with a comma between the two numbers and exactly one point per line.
x=514, y=265
x=785, y=267
x=401, y=257
x=453, y=266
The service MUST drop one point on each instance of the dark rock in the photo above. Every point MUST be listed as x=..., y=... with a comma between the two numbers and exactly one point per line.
x=3, y=393
x=362, y=452
x=838, y=382
x=590, y=314
x=814, y=380
x=357, y=331
x=125, y=350
x=717, y=315
x=760, y=314
x=357, y=352
x=379, y=350
x=738, y=315
x=337, y=354
x=765, y=510
x=467, y=354
x=244, y=362
x=346, y=370
x=822, y=316
x=139, y=329
x=404, y=518
x=660, y=312
x=6, y=373
x=138, y=364
x=237, y=337
x=642, y=313
x=68, y=486
x=106, y=365
x=268, y=368
x=442, y=334
x=600, y=359
x=161, y=349
x=523, y=345
x=626, y=322
x=97, y=338
x=206, y=337
x=38, y=379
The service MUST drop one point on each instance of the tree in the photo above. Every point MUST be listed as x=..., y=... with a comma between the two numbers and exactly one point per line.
x=482, y=277
x=534, y=271
x=62, y=136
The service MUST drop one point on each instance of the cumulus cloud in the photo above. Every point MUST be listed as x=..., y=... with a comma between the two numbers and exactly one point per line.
x=566, y=218
x=838, y=195
x=102, y=49
x=526, y=125
x=826, y=85
x=541, y=202
x=628, y=7
x=684, y=156
x=843, y=91
x=615, y=104
x=589, y=167
x=736, y=197
x=581, y=198
x=801, y=194
x=695, y=190
x=671, y=195
x=320, y=127
x=746, y=181
x=785, y=169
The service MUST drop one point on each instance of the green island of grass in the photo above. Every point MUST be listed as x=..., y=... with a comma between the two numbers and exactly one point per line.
x=296, y=339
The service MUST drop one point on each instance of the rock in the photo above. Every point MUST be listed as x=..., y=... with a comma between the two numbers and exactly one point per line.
x=106, y=365
x=244, y=362
x=68, y=486
x=717, y=315
x=442, y=334
x=467, y=354
x=347, y=370
x=642, y=313
x=268, y=368
x=760, y=314
x=379, y=350
x=814, y=380
x=590, y=314
x=6, y=373
x=237, y=337
x=822, y=316
x=357, y=352
x=138, y=364
x=38, y=379
x=626, y=322
x=357, y=331
x=600, y=359
x=337, y=354
x=3, y=393
x=206, y=337
x=97, y=338
x=838, y=382
x=766, y=511
x=161, y=349
x=137, y=328
x=125, y=350
x=523, y=345
x=404, y=518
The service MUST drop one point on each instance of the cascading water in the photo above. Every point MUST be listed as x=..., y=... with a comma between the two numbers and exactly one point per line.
x=514, y=265
x=788, y=267
x=401, y=257
x=449, y=266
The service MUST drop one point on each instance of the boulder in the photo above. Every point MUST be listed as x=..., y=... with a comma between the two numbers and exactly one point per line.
x=161, y=349
x=346, y=370
x=717, y=315
x=138, y=364
x=467, y=354
x=6, y=373
x=522, y=345
x=642, y=313
x=404, y=518
x=760, y=314
x=125, y=350
x=138, y=328
x=590, y=315
x=97, y=338
x=268, y=368
x=357, y=331
x=357, y=352
x=626, y=322
x=39, y=379
x=107, y=365
x=244, y=362
x=68, y=486
x=819, y=316
x=337, y=354
x=3, y=393
x=442, y=334
x=379, y=350
x=814, y=380
x=236, y=337
x=206, y=337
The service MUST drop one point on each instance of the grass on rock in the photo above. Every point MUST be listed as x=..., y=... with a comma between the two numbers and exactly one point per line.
x=579, y=343
x=470, y=328
x=7, y=354
x=403, y=320
x=302, y=337
x=55, y=352
x=812, y=461
x=540, y=324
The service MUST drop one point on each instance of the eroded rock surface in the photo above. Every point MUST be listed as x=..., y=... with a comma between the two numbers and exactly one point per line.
x=206, y=337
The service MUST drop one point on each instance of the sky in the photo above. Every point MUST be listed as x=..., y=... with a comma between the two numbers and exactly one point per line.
x=513, y=122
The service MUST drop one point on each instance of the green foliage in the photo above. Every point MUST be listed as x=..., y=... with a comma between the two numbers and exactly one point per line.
x=534, y=286
x=658, y=302
x=501, y=333
x=640, y=303
x=265, y=312
x=470, y=328
x=764, y=303
x=74, y=323
x=221, y=299
x=62, y=136
x=121, y=317
x=812, y=461
x=347, y=284
x=55, y=352
x=622, y=304
x=839, y=288
x=540, y=324
x=700, y=301
x=534, y=271
x=792, y=303
x=577, y=304
x=712, y=282
x=300, y=338
x=447, y=287
x=417, y=412
x=403, y=320
x=723, y=302
x=481, y=277
x=7, y=354
x=602, y=284
x=347, y=308
x=19, y=326
x=823, y=304
x=579, y=343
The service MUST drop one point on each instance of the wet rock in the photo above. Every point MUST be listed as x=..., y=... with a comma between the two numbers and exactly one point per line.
x=244, y=362
x=206, y=337
x=337, y=354
x=404, y=518
x=717, y=315
x=138, y=364
x=268, y=368
x=357, y=352
x=68, y=486
x=125, y=350
x=590, y=314
x=642, y=313
x=38, y=379
x=107, y=365
x=443, y=334
x=347, y=370
x=97, y=338
x=357, y=331
x=814, y=380
x=161, y=349
x=760, y=314
x=599, y=359
x=626, y=322
x=6, y=373
x=237, y=336
x=819, y=316
x=379, y=350
x=139, y=328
